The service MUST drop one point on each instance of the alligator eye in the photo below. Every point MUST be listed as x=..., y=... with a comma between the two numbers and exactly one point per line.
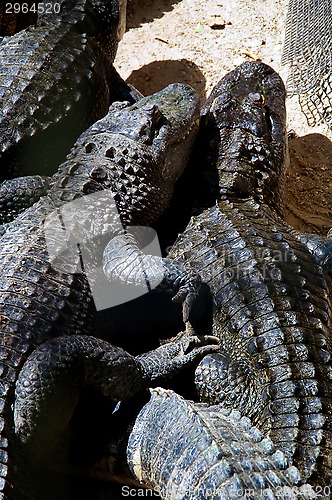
x=256, y=98
x=153, y=111
x=222, y=101
x=120, y=104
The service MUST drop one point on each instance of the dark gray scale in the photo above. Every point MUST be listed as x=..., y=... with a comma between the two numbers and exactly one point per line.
x=18, y=194
x=44, y=293
x=270, y=286
x=56, y=78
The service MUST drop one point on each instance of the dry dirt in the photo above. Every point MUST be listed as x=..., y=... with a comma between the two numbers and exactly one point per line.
x=197, y=42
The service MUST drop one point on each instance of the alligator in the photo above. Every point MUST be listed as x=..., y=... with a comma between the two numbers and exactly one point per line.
x=56, y=79
x=132, y=156
x=45, y=402
x=270, y=285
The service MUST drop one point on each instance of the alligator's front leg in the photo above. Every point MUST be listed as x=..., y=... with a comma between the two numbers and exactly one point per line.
x=55, y=375
x=124, y=260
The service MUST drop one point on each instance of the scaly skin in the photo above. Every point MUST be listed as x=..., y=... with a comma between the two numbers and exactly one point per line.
x=18, y=194
x=194, y=451
x=271, y=287
x=271, y=291
x=56, y=78
x=137, y=152
x=57, y=372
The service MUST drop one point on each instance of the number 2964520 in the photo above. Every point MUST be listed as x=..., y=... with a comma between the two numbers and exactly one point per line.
x=36, y=7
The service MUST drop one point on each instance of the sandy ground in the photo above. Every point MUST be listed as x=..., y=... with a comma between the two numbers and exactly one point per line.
x=198, y=42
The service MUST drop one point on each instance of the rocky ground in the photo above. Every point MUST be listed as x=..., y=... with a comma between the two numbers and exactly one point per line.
x=198, y=42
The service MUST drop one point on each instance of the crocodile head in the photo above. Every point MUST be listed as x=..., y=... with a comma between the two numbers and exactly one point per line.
x=244, y=127
x=138, y=151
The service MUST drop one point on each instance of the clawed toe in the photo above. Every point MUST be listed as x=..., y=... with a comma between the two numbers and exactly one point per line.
x=188, y=294
x=199, y=344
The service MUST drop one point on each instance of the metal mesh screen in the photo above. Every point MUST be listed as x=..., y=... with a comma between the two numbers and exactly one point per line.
x=308, y=52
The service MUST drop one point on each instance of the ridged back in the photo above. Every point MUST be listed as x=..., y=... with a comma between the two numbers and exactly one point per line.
x=192, y=451
x=272, y=313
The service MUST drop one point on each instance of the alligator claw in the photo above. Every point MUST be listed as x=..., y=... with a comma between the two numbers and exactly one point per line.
x=188, y=293
x=195, y=346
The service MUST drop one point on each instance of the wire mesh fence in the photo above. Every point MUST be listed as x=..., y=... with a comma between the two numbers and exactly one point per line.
x=308, y=53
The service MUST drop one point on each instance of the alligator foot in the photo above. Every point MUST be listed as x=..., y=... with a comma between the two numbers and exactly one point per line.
x=186, y=282
x=125, y=261
x=168, y=359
